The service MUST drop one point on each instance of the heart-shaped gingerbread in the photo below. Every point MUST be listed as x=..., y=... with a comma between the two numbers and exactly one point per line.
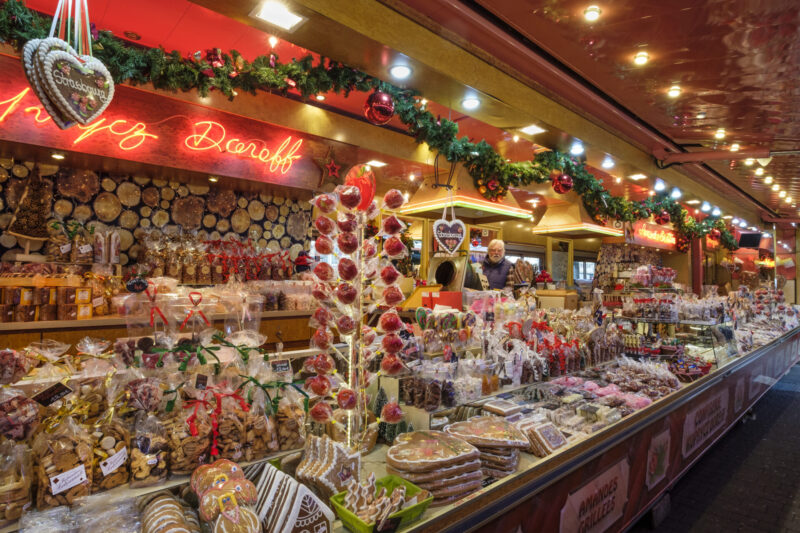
x=32, y=69
x=80, y=87
x=449, y=233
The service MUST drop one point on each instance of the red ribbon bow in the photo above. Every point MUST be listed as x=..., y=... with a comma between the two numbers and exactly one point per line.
x=196, y=303
x=191, y=420
x=153, y=307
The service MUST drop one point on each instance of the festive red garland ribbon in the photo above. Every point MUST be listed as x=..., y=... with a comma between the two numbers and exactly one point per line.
x=195, y=404
x=153, y=307
x=195, y=298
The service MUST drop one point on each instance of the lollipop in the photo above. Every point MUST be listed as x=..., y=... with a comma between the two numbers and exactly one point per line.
x=319, y=385
x=347, y=222
x=325, y=225
x=392, y=295
x=390, y=322
x=321, y=413
x=322, y=316
x=323, y=245
x=469, y=319
x=348, y=243
x=394, y=247
x=321, y=292
x=346, y=398
x=321, y=339
x=325, y=203
x=369, y=249
x=373, y=211
x=348, y=269
x=323, y=271
x=368, y=335
x=389, y=274
x=391, y=365
x=393, y=199
x=349, y=196
x=421, y=316
x=346, y=325
x=392, y=343
x=392, y=226
x=346, y=293
x=391, y=413
x=323, y=364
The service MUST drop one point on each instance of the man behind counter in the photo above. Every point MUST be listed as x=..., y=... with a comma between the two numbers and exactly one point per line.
x=498, y=270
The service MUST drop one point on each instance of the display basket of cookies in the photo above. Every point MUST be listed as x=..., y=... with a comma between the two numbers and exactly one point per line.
x=405, y=515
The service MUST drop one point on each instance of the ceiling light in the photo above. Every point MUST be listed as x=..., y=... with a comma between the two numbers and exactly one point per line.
x=735, y=221
x=706, y=207
x=411, y=177
x=618, y=180
x=660, y=185
x=728, y=217
x=782, y=194
x=533, y=129
x=469, y=103
x=720, y=133
x=701, y=115
x=400, y=72
x=716, y=212
x=278, y=14
x=766, y=235
x=776, y=187
x=576, y=148
x=768, y=180
x=320, y=97
x=406, y=195
x=641, y=58
x=742, y=224
x=693, y=202
x=515, y=138
x=674, y=91
x=58, y=156
x=675, y=194
x=607, y=163
x=592, y=13
x=759, y=171
x=213, y=179
x=788, y=199
x=749, y=161
x=375, y=163
x=652, y=192
x=637, y=177
x=273, y=41
x=735, y=147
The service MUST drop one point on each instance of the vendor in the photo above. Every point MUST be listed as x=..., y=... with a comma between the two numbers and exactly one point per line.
x=498, y=270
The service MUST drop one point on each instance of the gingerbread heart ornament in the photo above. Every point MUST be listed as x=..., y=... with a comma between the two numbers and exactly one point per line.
x=80, y=87
x=449, y=233
x=32, y=69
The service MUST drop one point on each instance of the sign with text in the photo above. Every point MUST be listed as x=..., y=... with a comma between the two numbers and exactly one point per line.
x=597, y=505
x=703, y=421
x=650, y=235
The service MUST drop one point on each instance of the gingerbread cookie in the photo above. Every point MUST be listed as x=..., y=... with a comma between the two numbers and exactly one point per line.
x=424, y=451
x=441, y=473
x=488, y=431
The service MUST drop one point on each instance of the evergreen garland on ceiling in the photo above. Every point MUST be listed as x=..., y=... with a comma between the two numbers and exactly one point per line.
x=230, y=72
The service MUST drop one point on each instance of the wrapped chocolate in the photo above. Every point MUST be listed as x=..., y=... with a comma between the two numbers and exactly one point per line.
x=63, y=464
x=16, y=473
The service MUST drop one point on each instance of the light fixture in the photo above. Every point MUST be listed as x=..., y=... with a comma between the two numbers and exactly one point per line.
x=423, y=102
x=652, y=192
x=693, y=202
x=592, y=13
x=716, y=212
x=659, y=185
x=759, y=171
x=735, y=221
x=728, y=217
x=515, y=138
x=607, y=163
x=782, y=194
x=617, y=180
x=675, y=194
x=278, y=14
x=406, y=195
x=320, y=97
x=576, y=148
x=637, y=177
x=400, y=72
x=735, y=147
x=701, y=115
x=788, y=199
x=776, y=187
x=273, y=41
x=768, y=180
x=58, y=156
x=674, y=91
x=706, y=207
x=720, y=133
x=411, y=177
x=533, y=129
x=375, y=163
x=469, y=103
x=641, y=58
x=749, y=161
x=742, y=224
x=213, y=179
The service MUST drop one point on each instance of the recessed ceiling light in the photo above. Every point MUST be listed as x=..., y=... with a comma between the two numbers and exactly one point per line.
x=768, y=180
x=788, y=199
x=735, y=147
x=278, y=14
x=607, y=163
x=749, y=161
x=701, y=115
x=652, y=192
x=716, y=212
x=320, y=97
x=781, y=194
x=213, y=179
x=675, y=194
x=375, y=163
x=57, y=156
x=735, y=221
x=693, y=202
x=674, y=91
x=742, y=224
x=592, y=13
x=411, y=177
x=776, y=187
x=273, y=41
x=515, y=138
x=728, y=217
x=641, y=58
x=759, y=171
x=637, y=177
x=660, y=185
x=469, y=103
x=400, y=72
x=720, y=133
x=576, y=148
x=533, y=129
x=706, y=207
x=618, y=180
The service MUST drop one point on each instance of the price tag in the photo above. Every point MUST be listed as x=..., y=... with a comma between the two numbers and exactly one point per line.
x=114, y=462
x=201, y=382
x=152, y=461
x=97, y=302
x=66, y=480
x=64, y=248
x=85, y=248
x=52, y=394
x=281, y=366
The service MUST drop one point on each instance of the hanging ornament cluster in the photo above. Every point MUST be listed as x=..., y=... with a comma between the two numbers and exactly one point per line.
x=562, y=183
x=682, y=243
x=379, y=108
x=715, y=234
x=662, y=217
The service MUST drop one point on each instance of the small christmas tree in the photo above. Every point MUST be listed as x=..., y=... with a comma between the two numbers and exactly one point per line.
x=30, y=219
x=380, y=400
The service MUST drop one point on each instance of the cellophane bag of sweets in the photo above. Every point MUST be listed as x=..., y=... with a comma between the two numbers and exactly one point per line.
x=149, y=452
x=188, y=431
x=97, y=514
x=16, y=476
x=291, y=419
x=63, y=463
x=261, y=428
x=231, y=417
x=112, y=443
x=19, y=415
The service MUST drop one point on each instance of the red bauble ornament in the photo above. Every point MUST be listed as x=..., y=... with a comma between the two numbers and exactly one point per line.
x=379, y=108
x=562, y=184
x=715, y=234
x=682, y=244
x=346, y=398
x=662, y=217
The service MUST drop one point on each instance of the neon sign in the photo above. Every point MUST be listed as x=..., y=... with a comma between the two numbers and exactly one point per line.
x=651, y=235
x=659, y=236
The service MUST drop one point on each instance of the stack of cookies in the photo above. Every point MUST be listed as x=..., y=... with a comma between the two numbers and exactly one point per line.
x=498, y=440
x=285, y=506
x=163, y=512
x=442, y=464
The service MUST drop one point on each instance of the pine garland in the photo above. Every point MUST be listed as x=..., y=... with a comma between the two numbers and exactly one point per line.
x=230, y=72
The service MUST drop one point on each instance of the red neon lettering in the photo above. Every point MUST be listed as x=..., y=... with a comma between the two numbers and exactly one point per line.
x=12, y=103
x=202, y=141
x=131, y=138
x=661, y=236
x=38, y=114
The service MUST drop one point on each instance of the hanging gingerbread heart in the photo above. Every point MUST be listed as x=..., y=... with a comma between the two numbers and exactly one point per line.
x=449, y=233
x=32, y=68
x=80, y=87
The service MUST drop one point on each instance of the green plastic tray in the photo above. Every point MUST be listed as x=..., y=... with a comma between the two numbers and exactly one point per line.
x=407, y=516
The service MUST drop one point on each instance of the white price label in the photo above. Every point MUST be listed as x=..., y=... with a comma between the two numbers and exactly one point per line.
x=114, y=462
x=65, y=247
x=85, y=249
x=97, y=302
x=67, y=480
x=152, y=461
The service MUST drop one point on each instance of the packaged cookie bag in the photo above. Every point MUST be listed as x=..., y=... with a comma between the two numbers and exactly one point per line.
x=189, y=431
x=149, y=452
x=291, y=418
x=112, y=441
x=261, y=428
x=16, y=476
x=230, y=412
x=19, y=415
x=63, y=463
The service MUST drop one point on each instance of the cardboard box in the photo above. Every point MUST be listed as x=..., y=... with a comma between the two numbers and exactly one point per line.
x=446, y=298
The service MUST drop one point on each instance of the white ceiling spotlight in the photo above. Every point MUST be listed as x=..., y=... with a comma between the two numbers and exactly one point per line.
x=400, y=71
x=533, y=129
x=576, y=148
x=660, y=185
x=592, y=13
x=706, y=207
x=716, y=212
x=742, y=224
x=607, y=163
x=470, y=102
x=675, y=194
x=277, y=14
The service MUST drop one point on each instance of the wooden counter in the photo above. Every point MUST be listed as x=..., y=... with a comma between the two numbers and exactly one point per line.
x=558, y=298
